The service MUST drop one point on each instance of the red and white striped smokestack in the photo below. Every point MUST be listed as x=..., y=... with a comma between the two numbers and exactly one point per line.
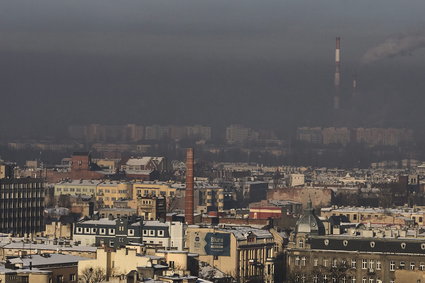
x=189, y=198
x=337, y=49
x=337, y=79
x=337, y=61
x=354, y=85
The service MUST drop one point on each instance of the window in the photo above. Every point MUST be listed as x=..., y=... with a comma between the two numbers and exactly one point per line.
x=301, y=243
x=334, y=262
x=325, y=263
x=315, y=262
x=371, y=280
x=364, y=263
x=79, y=230
x=421, y=266
x=145, y=232
x=371, y=263
x=353, y=280
x=131, y=232
x=412, y=266
x=87, y=230
x=111, y=231
x=151, y=232
x=315, y=279
x=402, y=265
x=297, y=261
x=121, y=228
x=303, y=261
x=353, y=264
x=102, y=231
x=378, y=265
x=72, y=277
x=392, y=265
x=160, y=232
x=364, y=280
x=59, y=278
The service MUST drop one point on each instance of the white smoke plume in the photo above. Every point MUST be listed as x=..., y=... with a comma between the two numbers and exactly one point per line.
x=400, y=45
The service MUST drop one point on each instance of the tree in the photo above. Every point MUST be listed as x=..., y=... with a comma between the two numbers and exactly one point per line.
x=92, y=275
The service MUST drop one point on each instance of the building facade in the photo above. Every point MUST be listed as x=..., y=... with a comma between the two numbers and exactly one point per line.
x=107, y=192
x=244, y=253
x=313, y=256
x=21, y=206
x=109, y=232
x=76, y=188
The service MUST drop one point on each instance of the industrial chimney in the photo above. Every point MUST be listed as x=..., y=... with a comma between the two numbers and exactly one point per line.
x=337, y=80
x=189, y=200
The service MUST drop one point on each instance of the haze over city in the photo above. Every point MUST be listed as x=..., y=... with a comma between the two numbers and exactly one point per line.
x=262, y=64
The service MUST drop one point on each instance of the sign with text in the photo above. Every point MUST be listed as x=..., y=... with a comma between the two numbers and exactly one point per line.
x=217, y=244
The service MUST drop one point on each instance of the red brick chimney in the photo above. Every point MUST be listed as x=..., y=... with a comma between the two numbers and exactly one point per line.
x=189, y=206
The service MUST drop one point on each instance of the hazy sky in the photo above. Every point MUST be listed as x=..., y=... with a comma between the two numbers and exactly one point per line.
x=260, y=63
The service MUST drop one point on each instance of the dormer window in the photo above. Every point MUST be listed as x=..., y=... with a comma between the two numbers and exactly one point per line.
x=251, y=238
x=301, y=243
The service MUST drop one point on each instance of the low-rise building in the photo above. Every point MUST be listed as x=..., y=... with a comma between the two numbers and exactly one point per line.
x=213, y=198
x=58, y=230
x=76, y=188
x=164, y=234
x=274, y=209
x=151, y=207
x=355, y=256
x=377, y=215
x=124, y=231
x=153, y=189
x=17, y=247
x=64, y=268
x=109, y=191
x=108, y=231
x=243, y=253
x=12, y=275
x=130, y=265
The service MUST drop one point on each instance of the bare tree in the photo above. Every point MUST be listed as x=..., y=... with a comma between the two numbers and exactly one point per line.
x=92, y=275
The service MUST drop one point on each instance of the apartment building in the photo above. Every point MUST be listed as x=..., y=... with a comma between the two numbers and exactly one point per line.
x=109, y=191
